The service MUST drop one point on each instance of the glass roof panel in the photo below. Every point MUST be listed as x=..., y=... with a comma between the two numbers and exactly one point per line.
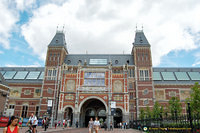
x=168, y=76
x=194, y=75
x=2, y=72
x=98, y=61
x=33, y=75
x=182, y=76
x=21, y=75
x=156, y=76
x=9, y=74
x=41, y=75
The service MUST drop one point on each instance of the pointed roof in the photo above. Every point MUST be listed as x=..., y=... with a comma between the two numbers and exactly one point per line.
x=58, y=40
x=140, y=39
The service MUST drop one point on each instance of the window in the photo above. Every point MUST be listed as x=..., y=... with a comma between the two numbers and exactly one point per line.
x=36, y=110
x=146, y=55
x=144, y=75
x=33, y=75
x=94, y=79
x=145, y=92
x=9, y=74
x=24, y=111
x=138, y=55
x=131, y=72
x=11, y=106
x=51, y=75
x=131, y=85
x=21, y=75
x=49, y=90
x=172, y=93
x=146, y=102
x=98, y=61
x=131, y=95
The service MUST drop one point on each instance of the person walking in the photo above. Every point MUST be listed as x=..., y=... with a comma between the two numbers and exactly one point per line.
x=111, y=126
x=105, y=125
x=76, y=124
x=12, y=125
x=20, y=122
x=91, y=125
x=96, y=125
x=63, y=123
x=46, y=123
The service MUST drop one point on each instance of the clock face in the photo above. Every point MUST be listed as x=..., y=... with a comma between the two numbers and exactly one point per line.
x=70, y=85
x=117, y=86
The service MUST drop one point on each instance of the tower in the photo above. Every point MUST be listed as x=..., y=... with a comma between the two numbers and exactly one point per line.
x=55, y=57
x=144, y=92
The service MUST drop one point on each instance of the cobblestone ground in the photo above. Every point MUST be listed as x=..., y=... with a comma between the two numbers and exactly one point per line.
x=75, y=130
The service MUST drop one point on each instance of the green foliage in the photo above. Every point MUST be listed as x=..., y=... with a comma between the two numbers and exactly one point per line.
x=148, y=112
x=175, y=106
x=142, y=114
x=156, y=110
x=195, y=98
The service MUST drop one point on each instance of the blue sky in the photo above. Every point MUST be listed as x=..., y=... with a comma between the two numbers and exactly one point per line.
x=104, y=27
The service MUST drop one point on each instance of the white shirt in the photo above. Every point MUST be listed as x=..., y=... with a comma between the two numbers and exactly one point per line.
x=96, y=123
x=32, y=119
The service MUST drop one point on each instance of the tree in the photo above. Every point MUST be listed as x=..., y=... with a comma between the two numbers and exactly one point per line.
x=142, y=113
x=195, y=98
x=175, y=106
x=148, y=112
x=156, y=110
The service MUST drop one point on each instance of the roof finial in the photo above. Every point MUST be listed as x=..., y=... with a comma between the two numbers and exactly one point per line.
x=136, y=27
x=142, y=27
x=63, y=28
x=57, y=28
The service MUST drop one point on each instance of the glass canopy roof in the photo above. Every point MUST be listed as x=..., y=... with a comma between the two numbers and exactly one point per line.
x=33, y=75
x=98, y=61
x=156, y=76
x=182, y=76
x=194, y=75
x=21, y=75
x=9, y=74
x=168, y=76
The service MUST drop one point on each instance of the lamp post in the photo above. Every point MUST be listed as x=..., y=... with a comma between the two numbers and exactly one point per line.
x=190, y=118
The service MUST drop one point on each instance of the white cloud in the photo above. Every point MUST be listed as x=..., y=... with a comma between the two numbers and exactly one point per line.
x=8, y=18
x=25, y=4
x=36, y=64
x=1, y=52
x=108, y=26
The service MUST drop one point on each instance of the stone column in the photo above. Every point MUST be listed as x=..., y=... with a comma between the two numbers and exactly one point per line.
x=125, y=117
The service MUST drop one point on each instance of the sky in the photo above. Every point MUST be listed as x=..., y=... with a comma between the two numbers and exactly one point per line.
x=101, y=27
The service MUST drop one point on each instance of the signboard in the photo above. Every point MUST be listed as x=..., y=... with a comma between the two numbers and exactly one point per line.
x=113, y=104
x=49, y=103
x=113, y=110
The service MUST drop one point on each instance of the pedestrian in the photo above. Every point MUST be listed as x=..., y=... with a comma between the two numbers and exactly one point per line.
x=43, y=120
x=120, y=125
x=66, y=123
x=96, y=125
x=46, y=123
x=12, y=126
x=76, y=124
x=20, y=122
x=63, y=123
x=59, y=123
x=105, y=125
x=91, y=125
x=55, y=124
x=111, y=126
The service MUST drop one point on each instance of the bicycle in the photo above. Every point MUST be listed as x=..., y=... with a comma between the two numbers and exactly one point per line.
x=30, y=130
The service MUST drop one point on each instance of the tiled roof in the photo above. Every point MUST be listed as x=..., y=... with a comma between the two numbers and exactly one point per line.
x=140, y=39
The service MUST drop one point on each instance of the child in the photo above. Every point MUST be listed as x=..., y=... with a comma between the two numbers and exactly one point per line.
x=12, y=125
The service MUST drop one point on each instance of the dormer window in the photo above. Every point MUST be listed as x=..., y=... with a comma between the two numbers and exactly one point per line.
x=56, y=41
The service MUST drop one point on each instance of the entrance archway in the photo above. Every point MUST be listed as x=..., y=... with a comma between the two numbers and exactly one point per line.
x=117, y=117
x=68, y=115
x=92, y=108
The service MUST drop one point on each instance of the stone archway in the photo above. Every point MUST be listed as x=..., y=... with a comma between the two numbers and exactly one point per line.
x=118, y=117
x=68, y=115
x=90, y=108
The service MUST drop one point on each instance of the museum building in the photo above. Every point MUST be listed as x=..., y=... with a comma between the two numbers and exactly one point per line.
x=81, y=86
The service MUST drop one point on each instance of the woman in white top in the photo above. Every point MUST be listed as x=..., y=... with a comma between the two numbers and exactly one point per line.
x=96, y=125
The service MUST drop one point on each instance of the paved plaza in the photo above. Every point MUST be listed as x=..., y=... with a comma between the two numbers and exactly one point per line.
x=75, y=130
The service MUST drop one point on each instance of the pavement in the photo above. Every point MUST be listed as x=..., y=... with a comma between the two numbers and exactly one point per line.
x=75, y=130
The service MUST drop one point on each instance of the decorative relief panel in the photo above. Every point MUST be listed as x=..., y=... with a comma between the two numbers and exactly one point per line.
x=118, y=98
x=160, y=95
x=69, y=97
x=117, y=86
x=184, y=94
x=16, y=92
x=172, y=93
x=70, y=86
x=27, y=92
